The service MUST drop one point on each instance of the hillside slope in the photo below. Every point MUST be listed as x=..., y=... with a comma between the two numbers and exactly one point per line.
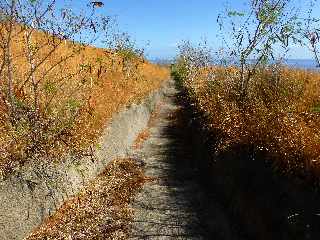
x=64, y=94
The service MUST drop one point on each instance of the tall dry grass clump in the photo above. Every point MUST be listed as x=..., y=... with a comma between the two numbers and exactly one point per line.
x=247, y=97
x=56, y=95
x=279, y=118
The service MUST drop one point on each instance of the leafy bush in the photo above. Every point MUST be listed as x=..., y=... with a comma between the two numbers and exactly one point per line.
x=179, y=71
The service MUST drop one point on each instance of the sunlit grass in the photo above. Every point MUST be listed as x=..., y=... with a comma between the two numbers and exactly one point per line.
x=101, y=210
x=279, y=119
x=80, y=88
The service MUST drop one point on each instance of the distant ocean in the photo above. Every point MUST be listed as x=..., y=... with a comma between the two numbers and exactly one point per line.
x=309, y=64
x=294, y=63
x=302, y=63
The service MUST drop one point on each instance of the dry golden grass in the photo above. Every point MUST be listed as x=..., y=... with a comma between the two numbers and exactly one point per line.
x=279, y=119
x=145, y=134
x=101, y=210
x=142, y=137
x=95, y=83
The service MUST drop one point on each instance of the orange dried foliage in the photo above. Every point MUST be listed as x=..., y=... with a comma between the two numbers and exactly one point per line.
x=92, y=78
x=101, y=210
x=142, y=137
x=280, y=117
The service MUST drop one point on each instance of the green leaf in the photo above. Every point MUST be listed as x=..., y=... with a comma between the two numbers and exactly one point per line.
x=235, y=14
x=316, y=108
x=99, y=60
x=50, y=87
x=73, y=104
x=98, y=146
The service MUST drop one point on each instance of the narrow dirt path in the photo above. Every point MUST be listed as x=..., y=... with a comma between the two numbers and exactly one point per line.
x=174, y=205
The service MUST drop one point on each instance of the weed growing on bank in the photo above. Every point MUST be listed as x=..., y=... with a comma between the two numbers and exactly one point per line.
x=101, y=210
x=280, y=117
x=248, y=99
x=57, y=92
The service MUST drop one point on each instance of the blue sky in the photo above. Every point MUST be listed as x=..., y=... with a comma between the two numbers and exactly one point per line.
x=164, y=23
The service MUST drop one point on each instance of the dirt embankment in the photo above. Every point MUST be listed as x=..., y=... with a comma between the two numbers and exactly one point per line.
x=39, y=188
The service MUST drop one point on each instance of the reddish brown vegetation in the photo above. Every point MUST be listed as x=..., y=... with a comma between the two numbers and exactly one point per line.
x=101, y=210
x=142, y=137
x=279, y=119
x=76, y=96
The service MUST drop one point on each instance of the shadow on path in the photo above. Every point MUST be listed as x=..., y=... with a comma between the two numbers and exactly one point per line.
x=175, y=205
